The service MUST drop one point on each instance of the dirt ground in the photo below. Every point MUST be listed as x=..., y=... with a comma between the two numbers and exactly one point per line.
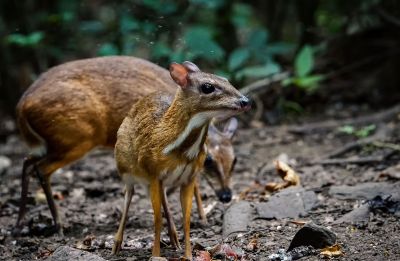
x=90, y=198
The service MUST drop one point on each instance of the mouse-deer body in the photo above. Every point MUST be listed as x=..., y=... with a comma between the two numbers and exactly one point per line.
x=161, y=141
x=79, y=105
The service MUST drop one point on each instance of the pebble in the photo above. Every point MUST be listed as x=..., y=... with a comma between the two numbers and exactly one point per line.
x=313, y=235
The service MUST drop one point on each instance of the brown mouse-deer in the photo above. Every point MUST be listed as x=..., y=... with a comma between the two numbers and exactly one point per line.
x=217, y=169
x=161, y=141
x=79, y=105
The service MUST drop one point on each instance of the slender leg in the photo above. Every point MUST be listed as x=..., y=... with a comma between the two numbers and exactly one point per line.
x=120, y=233
x=28, y=161
x=46, y=186
x=186, y=203
x=173, y=236
x=156, y=194
x=199, y=203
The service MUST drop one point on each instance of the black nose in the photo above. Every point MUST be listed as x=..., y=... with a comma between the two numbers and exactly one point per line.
x=244, y=102
x=224, y=195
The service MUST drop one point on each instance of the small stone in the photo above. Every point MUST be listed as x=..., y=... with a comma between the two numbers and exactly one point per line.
x=358, y=215
x=313, y=235
x=65, y=253
x=5, y=163
x=367, y=190
x=237, y=217
x=289, y=203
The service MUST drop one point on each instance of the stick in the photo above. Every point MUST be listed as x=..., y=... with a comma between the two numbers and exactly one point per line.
x=263, y=83
x=382, y=116
x=359, y=161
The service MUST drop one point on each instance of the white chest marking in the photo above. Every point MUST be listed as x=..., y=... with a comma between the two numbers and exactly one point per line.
x=194, y=150
x=180, y=175
x=196, y=121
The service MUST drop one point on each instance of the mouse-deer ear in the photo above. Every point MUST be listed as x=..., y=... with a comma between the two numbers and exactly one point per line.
x=179, y=74
x=191, y=67
x=231, y=127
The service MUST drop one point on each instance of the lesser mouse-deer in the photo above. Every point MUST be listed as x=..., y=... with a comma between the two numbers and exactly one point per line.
x=79, y=105
x=161, y=141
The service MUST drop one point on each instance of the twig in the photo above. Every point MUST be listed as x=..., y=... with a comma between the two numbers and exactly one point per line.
x=373, y=140
x=382, y=116
x=386, y=145
x=210, y=207
x=263, y=83
x=388, y=17
x=359, y=161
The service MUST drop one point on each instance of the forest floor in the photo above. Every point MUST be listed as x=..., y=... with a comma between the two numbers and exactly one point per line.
x=89, y=195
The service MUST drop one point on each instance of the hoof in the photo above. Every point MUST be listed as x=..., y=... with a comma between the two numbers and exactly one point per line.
x=116, y=247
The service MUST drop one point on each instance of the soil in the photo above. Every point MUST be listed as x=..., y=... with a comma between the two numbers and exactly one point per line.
x=90, y=197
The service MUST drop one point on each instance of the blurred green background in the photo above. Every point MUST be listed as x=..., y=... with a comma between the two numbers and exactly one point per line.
x=330, y=52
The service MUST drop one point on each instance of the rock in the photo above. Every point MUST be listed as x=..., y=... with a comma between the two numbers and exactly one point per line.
x=237, y=218
x=367, y=190
x=386, y=203
x=313, y=235
x=66, y=253
x=391, y=172
x=5, y=163
x=288, y=203
x=280, y=256
x=358, y=215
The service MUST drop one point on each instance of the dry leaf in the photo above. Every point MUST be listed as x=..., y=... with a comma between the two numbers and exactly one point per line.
x=298, y=222
x=332, y=251
x=40, y=196
x=86, y=243
x=224, y=250
x=202, y=256
x=253, y=244
x=58, y=195
x=287, y=174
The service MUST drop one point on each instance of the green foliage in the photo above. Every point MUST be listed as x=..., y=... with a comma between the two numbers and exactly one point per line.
x=108, y=49
x=29, y=40
x=200, y=43
x=303, y=67
x=304, y=62
x=256, y=57
x=359, y=133
x=237, y=58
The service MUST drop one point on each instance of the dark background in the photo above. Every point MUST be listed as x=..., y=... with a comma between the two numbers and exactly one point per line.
x=337, y=54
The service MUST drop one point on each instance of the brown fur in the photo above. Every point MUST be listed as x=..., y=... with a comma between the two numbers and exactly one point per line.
x=151, y=128
x=86, y=100
x=79, y=105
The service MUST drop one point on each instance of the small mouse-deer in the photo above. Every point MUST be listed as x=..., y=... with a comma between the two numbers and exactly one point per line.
x=161, y=141
x=79, y=105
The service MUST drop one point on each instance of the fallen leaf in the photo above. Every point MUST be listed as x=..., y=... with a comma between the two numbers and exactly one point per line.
x=58, y=195
x=202, y=256
x=298, y=222
x=287, y=174
x=332, y=251
x=253, y=244
x=224, y=250
x=86, y=243
x=40, y=196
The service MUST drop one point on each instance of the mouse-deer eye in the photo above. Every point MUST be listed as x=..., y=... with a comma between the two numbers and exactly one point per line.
x=207, y=88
